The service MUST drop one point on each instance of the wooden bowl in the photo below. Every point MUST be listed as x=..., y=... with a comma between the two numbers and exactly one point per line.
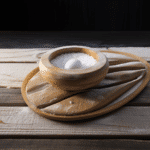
x=108, y=104
x=74, y=79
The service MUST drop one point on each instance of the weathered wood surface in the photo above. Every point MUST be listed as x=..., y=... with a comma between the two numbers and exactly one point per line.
x=74, y=144
x=21, y=55
x=13, y=74
x=15, y=64
x=13, y=97
x=127, y=121
x=16, y=119
x=143, y=52
x=33, y=55
x=26, y=55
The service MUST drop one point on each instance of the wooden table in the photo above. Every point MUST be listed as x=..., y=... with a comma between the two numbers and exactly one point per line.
x=21, y=128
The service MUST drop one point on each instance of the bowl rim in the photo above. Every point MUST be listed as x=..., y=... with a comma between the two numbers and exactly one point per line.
x=46, y=65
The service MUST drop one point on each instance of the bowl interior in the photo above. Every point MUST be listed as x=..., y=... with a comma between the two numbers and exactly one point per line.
x=74, y=50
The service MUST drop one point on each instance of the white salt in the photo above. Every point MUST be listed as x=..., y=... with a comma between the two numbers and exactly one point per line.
x=74, y=61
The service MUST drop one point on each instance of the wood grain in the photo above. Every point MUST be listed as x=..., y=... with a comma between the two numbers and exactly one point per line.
x=143, y=52
x=21, y=55
x=43, y=94
x=13, y=74
x=117, y=58
x=33, y=55
x=74, y=144
x=89, y=101
x=28, y=58
x=127, y=121
x=28, y=55
x=13, y=97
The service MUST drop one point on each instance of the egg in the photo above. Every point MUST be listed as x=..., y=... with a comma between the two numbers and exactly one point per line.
x=73, y=63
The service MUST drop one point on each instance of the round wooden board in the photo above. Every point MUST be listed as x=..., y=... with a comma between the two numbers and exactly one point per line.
x=125, y=98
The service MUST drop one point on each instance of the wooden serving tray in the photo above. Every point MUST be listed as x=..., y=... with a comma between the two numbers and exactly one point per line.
x=125, y=87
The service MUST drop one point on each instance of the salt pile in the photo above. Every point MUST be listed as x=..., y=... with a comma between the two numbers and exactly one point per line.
x=74, y=61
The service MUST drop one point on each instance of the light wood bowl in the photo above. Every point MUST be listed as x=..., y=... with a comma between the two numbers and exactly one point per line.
x=74, y=79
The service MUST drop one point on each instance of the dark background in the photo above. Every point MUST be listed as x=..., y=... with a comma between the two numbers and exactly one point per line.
x=75, y=15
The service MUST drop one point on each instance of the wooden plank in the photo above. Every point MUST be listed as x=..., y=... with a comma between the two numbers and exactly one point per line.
x=27, y=55
x=13, y=74
x=13, y=97
x=143, y=99
x=15, y=64
x=127, y=121
x=33, y=55
x=21, y=55
x=10, y=77
x=143, y=52
x=74, y=144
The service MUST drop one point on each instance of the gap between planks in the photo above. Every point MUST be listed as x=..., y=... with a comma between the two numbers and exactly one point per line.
x=84, y=144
